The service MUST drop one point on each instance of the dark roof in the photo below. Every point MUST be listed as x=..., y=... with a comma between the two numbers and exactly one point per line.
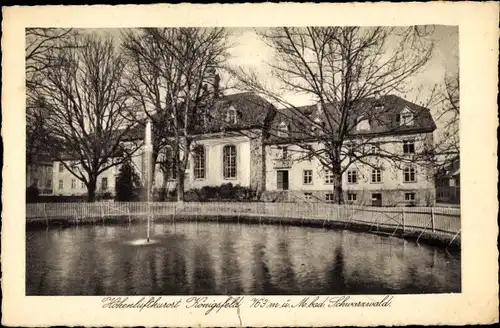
x=252, y=111
x=383, y=115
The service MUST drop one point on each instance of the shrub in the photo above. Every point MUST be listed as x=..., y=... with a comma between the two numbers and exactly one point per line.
x=32, y=194
x=128, y=183
x=163, y=194
x=105, y=196
x=224, y=192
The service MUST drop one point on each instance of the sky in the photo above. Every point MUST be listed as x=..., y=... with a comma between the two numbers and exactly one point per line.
x=251, y=53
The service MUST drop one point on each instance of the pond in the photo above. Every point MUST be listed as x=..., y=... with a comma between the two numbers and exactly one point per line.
x=200, y=258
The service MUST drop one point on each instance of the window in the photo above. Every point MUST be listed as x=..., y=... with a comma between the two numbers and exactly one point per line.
x=82, y=185
x=308, y=195
x=308, y=176
x=349, y=149
x=61, y=184
x=352, y=176
x=61, y=167
x=351, y=196
x=104, y=183
x=406, y=118
x=329, y=177
x=231, y=116
x=170, y=163
x=329, y=197
x=376, y=175
x=409, y=174
x=375, y=148
x=229, y=161
x=48, y=183
x=283, y=130
x=199, y=162
x=317, y=124
x=171, y=170
x=73, y=183
x=409, y=147
x=35, y=182
x=409, y=196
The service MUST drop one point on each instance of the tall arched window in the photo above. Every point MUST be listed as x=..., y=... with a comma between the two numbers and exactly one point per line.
x=229, y=161
x=170, y=165
x=199, y=170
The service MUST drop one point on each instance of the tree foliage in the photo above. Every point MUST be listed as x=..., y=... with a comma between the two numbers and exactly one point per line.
x=128, y=184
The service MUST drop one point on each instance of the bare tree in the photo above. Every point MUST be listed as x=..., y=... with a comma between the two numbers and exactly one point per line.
x=86, y=108
x=41, y=45
x=447, y=149
x=172, y=77
x=341, y=68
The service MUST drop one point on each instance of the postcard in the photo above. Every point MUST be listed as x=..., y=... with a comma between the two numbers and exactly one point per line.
x=250, y=164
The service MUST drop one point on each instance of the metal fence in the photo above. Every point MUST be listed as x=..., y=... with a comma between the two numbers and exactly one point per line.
x=432, y=219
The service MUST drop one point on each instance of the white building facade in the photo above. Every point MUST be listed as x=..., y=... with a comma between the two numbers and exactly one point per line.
x=250, y=157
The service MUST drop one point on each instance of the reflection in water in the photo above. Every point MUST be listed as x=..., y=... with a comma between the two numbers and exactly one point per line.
x=210, y=258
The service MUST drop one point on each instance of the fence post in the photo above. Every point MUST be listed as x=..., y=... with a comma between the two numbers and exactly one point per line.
x=432, y=219
x=403, y=218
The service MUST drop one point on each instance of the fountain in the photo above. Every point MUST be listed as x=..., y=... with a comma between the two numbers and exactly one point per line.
x=147, y=176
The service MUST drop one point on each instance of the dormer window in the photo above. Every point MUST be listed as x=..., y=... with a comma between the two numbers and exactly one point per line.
x=406, y=117
x=232, y=115
x=283, y=130
x=318, y=122
x=363, y=124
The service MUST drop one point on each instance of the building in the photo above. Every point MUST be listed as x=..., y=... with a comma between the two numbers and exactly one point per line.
x=229, y=151
x=387, y=134
x=39, y=173
x=448, y=183
x=66, y=184
x=245, y=146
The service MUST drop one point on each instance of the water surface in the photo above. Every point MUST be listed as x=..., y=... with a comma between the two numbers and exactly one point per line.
x=221, y=258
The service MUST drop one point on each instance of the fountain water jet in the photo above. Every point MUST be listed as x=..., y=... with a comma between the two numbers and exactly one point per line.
x=147, y=174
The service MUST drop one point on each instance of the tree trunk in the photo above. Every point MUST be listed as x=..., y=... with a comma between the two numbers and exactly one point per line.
x=181, y=169
x=91, y=188
x=337, y=182
x=180, y=187
x=337, y=188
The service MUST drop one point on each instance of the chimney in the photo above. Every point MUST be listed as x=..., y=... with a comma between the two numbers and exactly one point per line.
x=378, y=103
x=216, y=85
x=319, y=108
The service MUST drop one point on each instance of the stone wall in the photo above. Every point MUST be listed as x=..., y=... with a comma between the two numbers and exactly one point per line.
x=423, y=197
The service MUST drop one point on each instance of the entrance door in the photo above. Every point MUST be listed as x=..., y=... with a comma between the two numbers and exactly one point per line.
x=282, y=179
x=377, y=199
